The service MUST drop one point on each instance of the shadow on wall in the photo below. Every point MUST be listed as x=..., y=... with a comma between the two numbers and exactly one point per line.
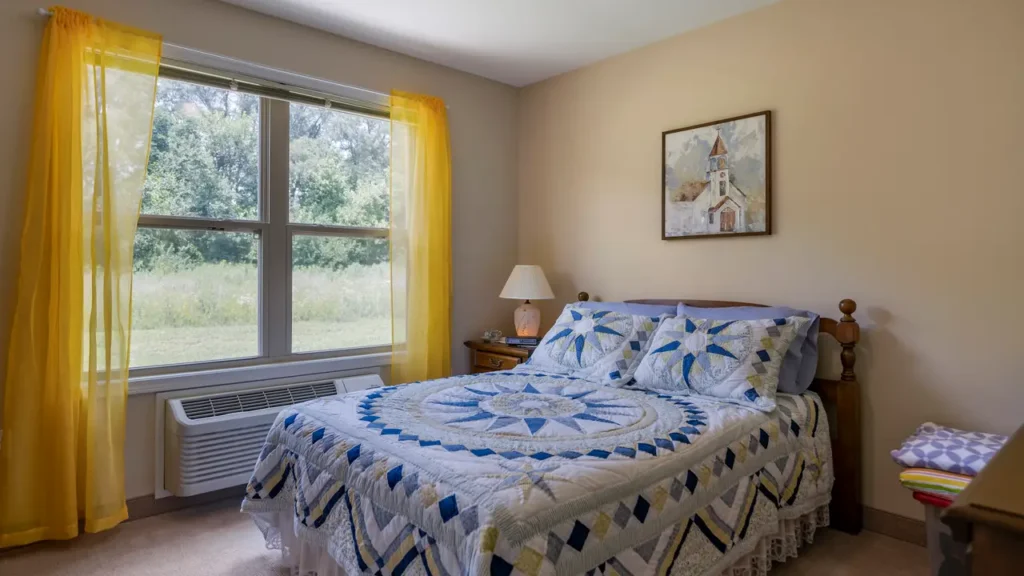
x=889, y=406
x=565, y=291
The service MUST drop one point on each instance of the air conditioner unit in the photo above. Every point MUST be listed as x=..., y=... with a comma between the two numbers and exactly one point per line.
x=213, y=441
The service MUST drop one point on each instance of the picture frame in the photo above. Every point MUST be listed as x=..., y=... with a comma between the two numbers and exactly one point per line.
x=716, y=178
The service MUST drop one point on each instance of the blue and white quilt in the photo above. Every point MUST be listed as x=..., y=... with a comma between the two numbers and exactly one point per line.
x=523, y=472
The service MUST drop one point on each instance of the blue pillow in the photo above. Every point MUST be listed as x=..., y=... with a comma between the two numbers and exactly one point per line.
x=630, y=308
x=801, y=361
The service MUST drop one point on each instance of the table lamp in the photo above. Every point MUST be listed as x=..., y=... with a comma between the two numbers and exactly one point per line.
x=527, y=282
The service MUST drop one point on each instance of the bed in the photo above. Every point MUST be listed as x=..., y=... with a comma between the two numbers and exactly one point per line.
x=529, y=472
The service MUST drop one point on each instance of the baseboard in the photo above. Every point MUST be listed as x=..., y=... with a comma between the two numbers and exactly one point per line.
x=149, y=506
x=894, y=526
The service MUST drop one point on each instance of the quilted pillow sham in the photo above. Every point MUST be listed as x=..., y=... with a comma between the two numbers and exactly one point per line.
x=801, y=362
x=601, y=346
x=736, y=361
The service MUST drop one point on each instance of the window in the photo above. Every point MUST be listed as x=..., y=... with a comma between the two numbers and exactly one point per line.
x=338, y=218
x=721, y=186
x=264, y=225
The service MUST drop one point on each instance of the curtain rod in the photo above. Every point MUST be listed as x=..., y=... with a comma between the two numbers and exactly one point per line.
x=48, y=13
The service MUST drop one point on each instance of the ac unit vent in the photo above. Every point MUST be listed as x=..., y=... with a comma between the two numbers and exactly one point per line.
x=222, y=404
x=212, y=442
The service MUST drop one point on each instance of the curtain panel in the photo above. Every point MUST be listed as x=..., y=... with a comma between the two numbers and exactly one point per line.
x=421, y=238
x=62, y=456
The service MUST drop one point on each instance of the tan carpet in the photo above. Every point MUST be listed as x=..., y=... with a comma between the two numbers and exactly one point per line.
x=217, y=540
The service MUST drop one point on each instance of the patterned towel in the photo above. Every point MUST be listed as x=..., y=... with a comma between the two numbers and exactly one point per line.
x=945, y=484
x=948, y=449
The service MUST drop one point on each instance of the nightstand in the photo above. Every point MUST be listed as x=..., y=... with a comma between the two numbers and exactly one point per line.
x=491, y=356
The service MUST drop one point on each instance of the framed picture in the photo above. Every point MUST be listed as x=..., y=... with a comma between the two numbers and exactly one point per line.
x=717, y=179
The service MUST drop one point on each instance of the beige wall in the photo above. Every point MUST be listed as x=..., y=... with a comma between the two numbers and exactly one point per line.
x=898, y=131
x=482, y=117
x=897, y=182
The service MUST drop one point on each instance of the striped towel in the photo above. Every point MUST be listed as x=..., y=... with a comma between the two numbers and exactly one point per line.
x=945, y=484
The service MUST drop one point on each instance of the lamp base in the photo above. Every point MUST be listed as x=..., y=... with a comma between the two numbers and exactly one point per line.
x=527, y=320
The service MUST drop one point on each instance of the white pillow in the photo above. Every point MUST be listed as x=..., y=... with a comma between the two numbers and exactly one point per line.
x=597, y=345
x=736, y=361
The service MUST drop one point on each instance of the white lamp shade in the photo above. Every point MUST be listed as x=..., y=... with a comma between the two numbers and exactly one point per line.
x=527, y=282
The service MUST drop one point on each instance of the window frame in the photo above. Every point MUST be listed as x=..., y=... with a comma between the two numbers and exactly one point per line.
x=275, y=232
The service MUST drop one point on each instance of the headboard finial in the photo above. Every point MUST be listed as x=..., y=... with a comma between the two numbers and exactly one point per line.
x=583, y=296
x=848, y=333
x=847, y=307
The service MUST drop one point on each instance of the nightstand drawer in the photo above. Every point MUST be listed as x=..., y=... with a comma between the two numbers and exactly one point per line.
x=494, y=361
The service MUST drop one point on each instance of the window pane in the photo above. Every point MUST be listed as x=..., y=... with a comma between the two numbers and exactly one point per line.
x=338, y=167
x=341, y=295
x=204, y=156
x=194, y=297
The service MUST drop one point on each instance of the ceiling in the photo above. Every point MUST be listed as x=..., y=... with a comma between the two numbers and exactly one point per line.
x=517, y=42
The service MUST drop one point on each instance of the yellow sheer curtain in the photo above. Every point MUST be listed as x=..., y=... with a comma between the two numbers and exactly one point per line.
x=62, y=455
x=421, y=238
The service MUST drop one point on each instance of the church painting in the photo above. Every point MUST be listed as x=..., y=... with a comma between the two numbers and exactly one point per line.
x=716, y=178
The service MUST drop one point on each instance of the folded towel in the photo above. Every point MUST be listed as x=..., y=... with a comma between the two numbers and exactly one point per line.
x=945, y=484
x=948, y=449
x=932, y=500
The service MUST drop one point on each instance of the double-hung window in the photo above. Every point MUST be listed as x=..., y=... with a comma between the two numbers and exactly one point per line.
x=263, y=232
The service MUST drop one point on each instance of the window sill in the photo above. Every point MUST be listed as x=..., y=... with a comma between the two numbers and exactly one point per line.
x=255, y=373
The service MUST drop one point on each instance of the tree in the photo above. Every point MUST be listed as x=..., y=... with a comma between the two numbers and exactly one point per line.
x=204, y=161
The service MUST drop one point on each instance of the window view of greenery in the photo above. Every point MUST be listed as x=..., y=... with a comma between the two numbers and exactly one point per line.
x=338, y=167
x=338, y=171
x=204, y=155
x=196, y=292
x=341, y=295
x=197, y=301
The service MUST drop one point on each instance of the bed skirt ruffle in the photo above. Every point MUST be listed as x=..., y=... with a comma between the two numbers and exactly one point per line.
x=785, y=543
x=752, y=557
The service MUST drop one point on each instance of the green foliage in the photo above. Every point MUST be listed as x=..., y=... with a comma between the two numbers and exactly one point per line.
x=204, y=162
x=207, y=295
x=341, y=295
x=196, y=292
x=226, y=294
x=209, y=312
x=161, y=346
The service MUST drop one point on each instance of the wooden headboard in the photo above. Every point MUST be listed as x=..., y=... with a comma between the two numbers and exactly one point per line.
x=842, y=405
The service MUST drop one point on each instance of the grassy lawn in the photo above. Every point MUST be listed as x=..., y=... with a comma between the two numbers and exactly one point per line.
x=155, y=347
x=208, y=312
x=313, y=336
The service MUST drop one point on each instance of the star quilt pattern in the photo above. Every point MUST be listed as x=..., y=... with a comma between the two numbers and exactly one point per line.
x=600, y=345
x=533, y=473
x=731, y=360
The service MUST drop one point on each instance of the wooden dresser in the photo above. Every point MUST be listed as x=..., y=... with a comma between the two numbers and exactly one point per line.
x=491, y=356
x=989, y=513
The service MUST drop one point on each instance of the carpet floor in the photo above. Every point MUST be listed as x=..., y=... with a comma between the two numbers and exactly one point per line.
x=217, y=540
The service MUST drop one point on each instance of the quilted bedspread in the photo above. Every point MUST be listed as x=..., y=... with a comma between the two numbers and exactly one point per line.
x=532, y=473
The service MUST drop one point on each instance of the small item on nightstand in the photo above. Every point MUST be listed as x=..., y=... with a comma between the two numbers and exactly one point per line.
x=492, y=336
x=521, y=340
